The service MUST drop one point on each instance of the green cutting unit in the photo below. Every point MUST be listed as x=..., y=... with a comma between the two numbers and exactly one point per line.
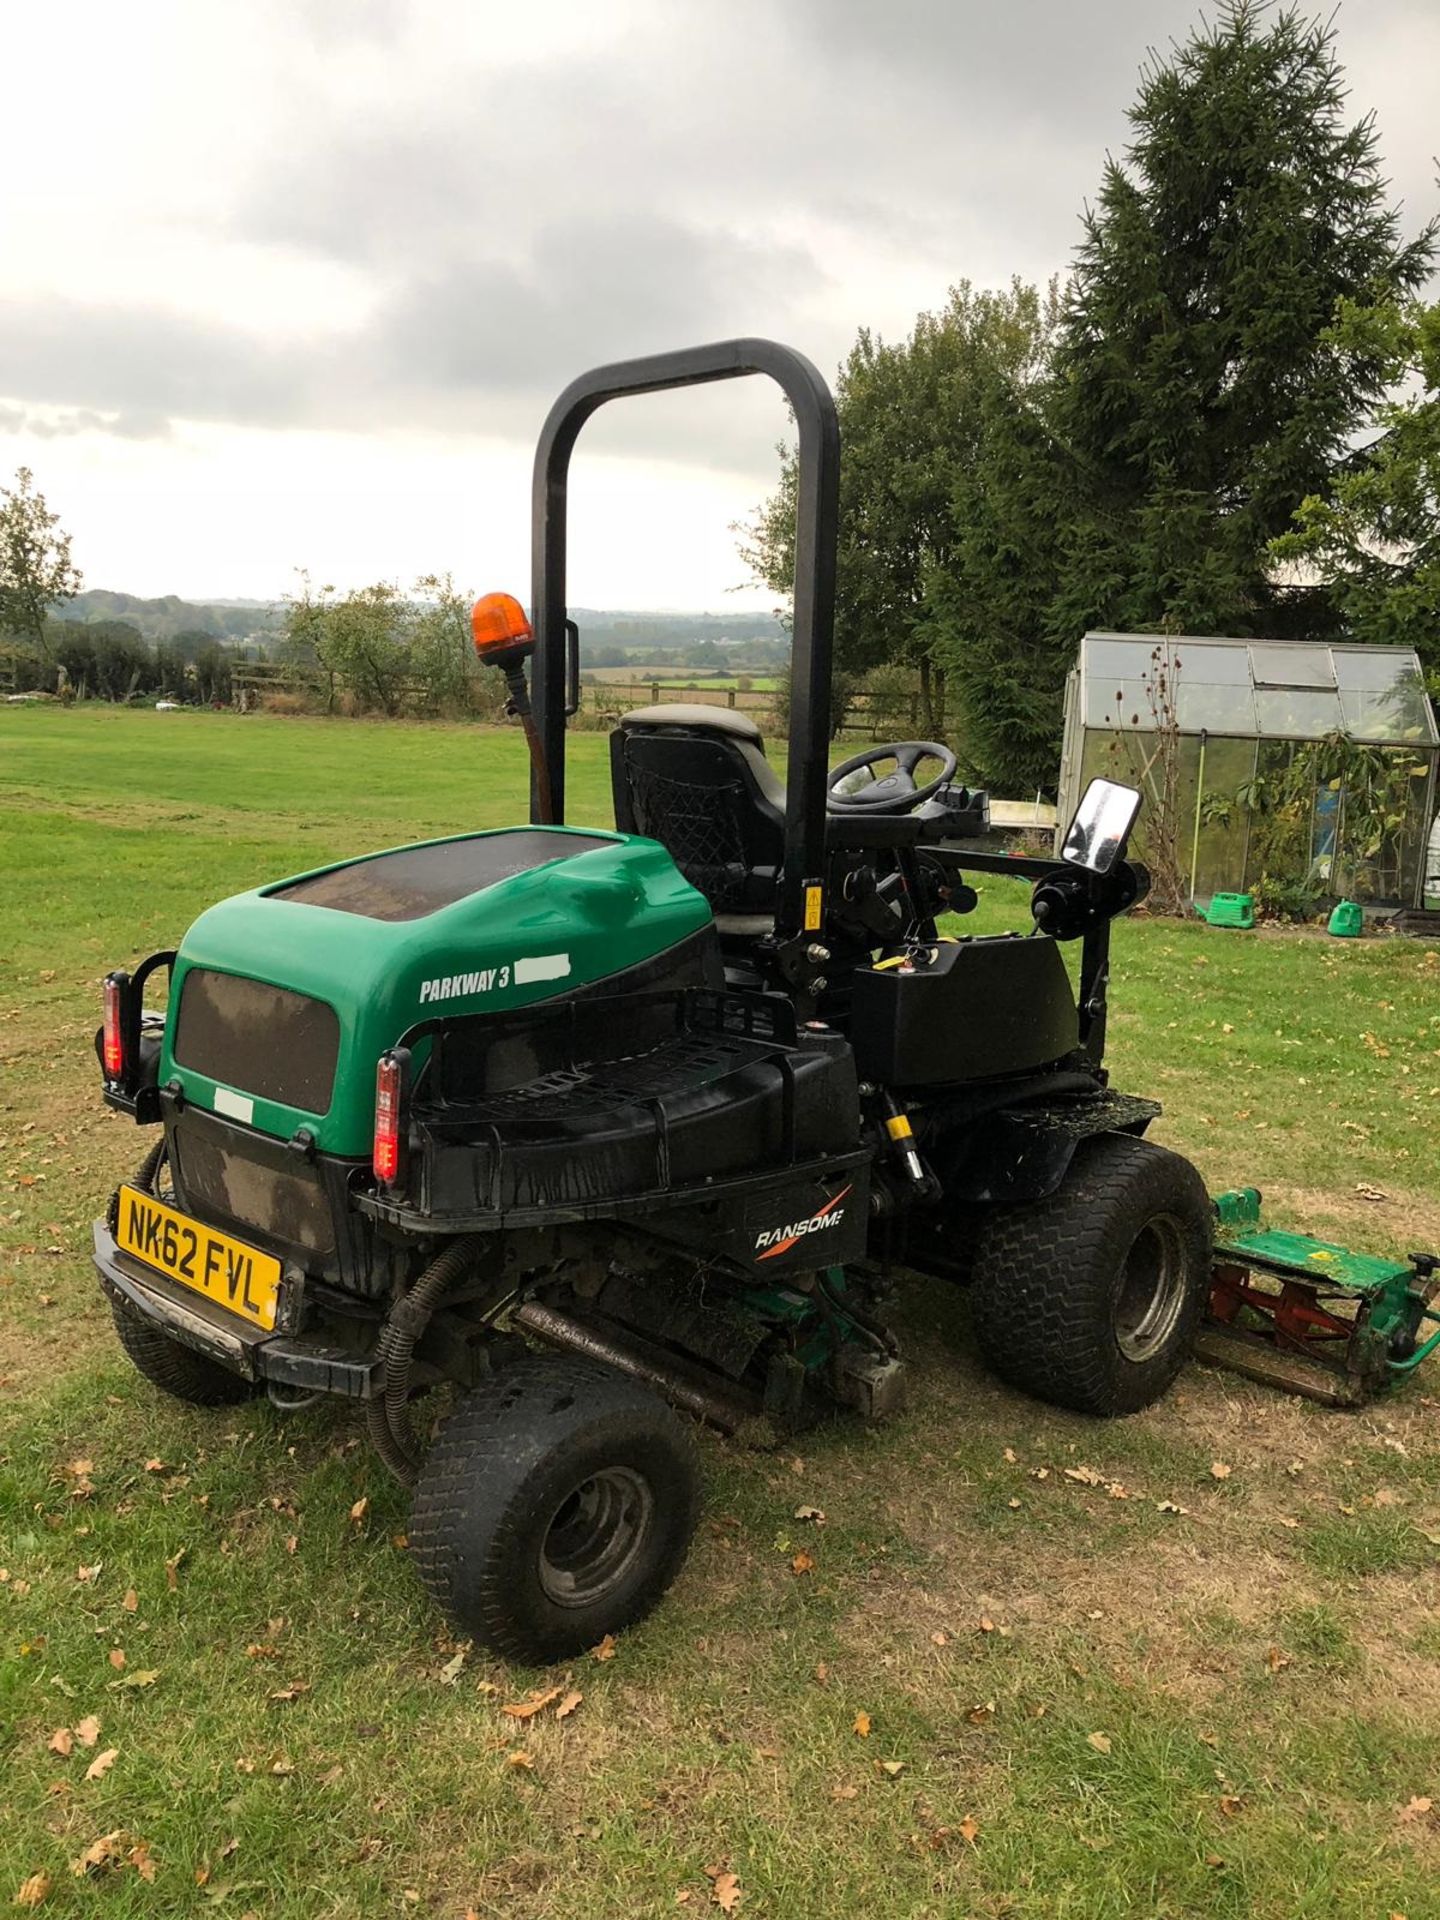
x=1313, y=1318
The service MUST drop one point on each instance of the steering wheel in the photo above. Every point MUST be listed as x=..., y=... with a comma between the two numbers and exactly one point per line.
x=893, y=792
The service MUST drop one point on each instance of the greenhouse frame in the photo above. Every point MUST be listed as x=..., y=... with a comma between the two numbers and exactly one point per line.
x=1287, y=764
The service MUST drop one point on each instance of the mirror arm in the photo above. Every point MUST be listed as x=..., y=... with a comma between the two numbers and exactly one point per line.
x=1094, y=983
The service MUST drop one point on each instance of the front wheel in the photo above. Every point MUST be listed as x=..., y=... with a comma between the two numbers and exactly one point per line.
x=556, y=1506
x=1090, y=1298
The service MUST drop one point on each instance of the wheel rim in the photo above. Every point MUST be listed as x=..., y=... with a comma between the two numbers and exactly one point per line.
x=1152, y=1289
x=595, y=1536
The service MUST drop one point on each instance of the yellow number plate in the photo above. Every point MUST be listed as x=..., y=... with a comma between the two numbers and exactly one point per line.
x=210, y=1263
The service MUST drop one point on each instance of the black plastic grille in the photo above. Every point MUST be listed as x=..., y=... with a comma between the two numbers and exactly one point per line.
x=265, y=1040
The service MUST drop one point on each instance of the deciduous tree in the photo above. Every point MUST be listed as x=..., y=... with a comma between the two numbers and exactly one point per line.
x=36, y=572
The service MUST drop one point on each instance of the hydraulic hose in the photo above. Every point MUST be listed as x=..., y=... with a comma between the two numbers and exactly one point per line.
x=150, y=1166
x=387, y=1414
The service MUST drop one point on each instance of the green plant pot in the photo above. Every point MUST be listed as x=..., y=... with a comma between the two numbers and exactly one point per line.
x=1230, y=910
x=1347, y=921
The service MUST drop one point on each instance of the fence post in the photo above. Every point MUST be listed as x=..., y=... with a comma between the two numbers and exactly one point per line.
x=730, y=698
x=654, y=693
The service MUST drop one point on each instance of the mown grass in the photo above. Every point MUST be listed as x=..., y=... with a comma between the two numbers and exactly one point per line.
x=1174, y=1692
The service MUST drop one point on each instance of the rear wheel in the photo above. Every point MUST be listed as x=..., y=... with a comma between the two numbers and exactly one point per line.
x=178, y=1370
x=556, y=1506
x=1090, y=1298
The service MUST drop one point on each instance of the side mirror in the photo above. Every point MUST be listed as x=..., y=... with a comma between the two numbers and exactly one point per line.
x=1095, y=838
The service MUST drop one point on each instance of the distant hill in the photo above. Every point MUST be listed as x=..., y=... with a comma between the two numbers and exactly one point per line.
x=229, y=619
x=162, y=619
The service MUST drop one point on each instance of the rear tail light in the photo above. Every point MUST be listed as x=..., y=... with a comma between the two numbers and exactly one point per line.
x=388, y=1155
x=113, y=1041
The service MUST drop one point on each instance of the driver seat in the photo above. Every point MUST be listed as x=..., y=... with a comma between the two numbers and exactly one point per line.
x=696, y=779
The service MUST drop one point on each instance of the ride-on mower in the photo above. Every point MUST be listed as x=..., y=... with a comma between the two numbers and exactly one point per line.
x=598, y=1129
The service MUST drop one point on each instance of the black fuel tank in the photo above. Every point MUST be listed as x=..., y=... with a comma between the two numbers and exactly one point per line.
x=976, y=1010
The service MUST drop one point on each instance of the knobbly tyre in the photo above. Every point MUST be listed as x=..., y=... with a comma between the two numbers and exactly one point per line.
x=606, y=1131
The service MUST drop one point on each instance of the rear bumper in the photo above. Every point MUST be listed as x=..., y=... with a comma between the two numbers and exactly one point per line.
x=304, y=1364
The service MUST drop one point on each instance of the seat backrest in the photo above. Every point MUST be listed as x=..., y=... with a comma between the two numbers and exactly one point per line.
x=696, y=779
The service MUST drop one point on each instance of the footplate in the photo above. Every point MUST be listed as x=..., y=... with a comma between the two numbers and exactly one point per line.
x=1313, y=1318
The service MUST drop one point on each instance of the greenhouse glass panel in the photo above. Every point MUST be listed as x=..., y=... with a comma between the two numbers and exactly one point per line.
x=1306, y=712
x=1210, y=708
x=1294, y=666
x=1213, y=664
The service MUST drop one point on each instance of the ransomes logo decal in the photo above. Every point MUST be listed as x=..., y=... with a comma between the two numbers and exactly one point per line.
x=518, y=973
x=778, y=1240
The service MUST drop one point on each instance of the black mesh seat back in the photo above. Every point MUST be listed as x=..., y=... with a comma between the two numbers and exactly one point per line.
x=696, y=793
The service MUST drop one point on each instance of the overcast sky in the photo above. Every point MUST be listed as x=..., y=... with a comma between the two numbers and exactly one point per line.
x=291, y=283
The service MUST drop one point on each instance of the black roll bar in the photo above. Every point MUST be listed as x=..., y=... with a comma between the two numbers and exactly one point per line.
x=816, y=522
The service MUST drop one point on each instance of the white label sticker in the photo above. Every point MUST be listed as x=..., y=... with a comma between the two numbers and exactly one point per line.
x=239, y=1106
x=545, y=966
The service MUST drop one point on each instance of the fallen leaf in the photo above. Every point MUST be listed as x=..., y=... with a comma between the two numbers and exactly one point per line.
x=87, y=1731
x=1417, y=1807
x=142, y=1677
x=450, y=1672
x=154, y=1466
x=1099, y=1741
x=568, y=1705
x=102, y=1763
x=106, y=1852
x=172, y=1570
x=291, y=1692
x=940, y=1639
x=987, y=1625
x=605, y=1650
x=968, y=1829
x=117, y=1658
x=33, y=1890
x=359, y=1510
x=521, y=1761
x=726, y=1891
x=1219, y=1470
x=1276, y=1660
x=978, y=1716
x=862, y=1724
x=802, y=1563
x=62, y=1742
x=139, y=1857
x=1170, y=1506
x=810, y=1513
x=131, y=1602
x=844, y=1793
x=1087, y=1476
x=822, y=1673
x=891, y=1767
x=1214, y=1860
x=537, y=1703
x=282, y=1768
x=1230, y=1804
x=1009, y=1456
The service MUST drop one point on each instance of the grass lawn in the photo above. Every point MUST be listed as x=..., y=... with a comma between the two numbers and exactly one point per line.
x=1200, y=1677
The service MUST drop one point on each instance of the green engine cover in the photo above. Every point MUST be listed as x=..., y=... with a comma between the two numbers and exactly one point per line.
x=475, y=923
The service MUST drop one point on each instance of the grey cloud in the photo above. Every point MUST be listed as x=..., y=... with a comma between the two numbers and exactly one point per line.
x=480, y=346
x=515, y=226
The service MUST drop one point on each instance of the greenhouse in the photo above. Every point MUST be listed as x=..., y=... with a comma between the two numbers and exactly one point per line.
x=1300, y=772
